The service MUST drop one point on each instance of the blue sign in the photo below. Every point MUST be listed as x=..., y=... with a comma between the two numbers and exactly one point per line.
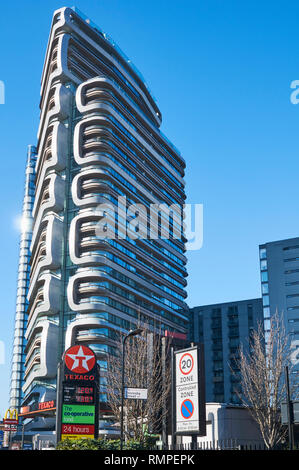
x=27, y=446
x=187, y=409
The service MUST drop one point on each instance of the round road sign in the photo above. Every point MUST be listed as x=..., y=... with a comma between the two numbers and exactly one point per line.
x=186, y=363
x=187, y=409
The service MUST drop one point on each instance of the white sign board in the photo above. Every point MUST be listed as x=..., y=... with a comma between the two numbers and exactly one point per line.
x=186, y=381
x=136, y=393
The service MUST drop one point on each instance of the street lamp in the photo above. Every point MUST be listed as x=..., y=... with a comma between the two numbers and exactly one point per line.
x=131, y=333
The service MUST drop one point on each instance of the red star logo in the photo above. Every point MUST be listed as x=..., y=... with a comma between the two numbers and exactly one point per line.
x=80, y=359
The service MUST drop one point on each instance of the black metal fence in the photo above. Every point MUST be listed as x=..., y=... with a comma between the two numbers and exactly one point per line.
x=226, y=444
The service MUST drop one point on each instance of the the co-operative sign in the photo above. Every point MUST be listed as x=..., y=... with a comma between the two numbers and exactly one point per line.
x=189, y=392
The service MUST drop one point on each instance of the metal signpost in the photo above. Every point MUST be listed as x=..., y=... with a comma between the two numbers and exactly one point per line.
x=188, y=392
x=125, y=338
x=78, y=395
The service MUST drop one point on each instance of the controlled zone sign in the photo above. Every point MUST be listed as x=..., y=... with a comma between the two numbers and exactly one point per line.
x=189, y=385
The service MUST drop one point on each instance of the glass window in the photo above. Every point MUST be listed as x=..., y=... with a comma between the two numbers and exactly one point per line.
x=263, y=264
x=267, y=325
x=263, y=253
x=265, y=288
x=266, y=312
x=264, y=276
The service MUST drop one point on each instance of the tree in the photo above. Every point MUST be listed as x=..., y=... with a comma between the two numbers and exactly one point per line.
x=144, y=368
x=262, y=378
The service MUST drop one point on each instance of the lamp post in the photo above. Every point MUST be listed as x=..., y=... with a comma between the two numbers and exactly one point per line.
x=23, y=431
x=131, y=333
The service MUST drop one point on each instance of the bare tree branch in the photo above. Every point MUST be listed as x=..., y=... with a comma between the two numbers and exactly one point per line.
x=143, y=369
x=262, y=378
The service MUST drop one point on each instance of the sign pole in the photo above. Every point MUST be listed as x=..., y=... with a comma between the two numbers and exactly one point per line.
x=131, y=333
x=164, y=405
x=193, y=437
x=122, y=393
x=173, y=403
x=23, y=430
x=58, y=403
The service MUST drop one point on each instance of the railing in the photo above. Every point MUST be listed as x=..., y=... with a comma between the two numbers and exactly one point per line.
x=224, y=444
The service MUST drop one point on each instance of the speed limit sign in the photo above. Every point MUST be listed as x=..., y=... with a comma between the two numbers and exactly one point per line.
x=186, y=367
x=186, y=363
x=189, y=407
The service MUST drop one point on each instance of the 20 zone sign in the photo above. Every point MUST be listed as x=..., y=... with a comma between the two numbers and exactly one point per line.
x=189, y=391
x=186, y=364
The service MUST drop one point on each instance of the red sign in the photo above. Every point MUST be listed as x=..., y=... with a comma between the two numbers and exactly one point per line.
x=186, y=364
x=11, y=428
x=45, y=405
x=187, y=409
x=173, y=334
x=80, y=377
x=80, y=359
x=84, y=429
x=80, y=390
x=10, y=421
x=25, y=409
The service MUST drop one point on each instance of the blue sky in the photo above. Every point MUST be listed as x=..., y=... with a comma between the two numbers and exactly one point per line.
x=221, y=73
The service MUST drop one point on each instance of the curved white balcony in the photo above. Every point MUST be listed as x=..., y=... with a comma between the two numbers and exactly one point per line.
x=86, y=323
x=90, y=217
x=50, y=195
x=58, y=105
x=51, y=290
x=43, y=364
x=95, y=186
x=52, y=228
x=52, y=151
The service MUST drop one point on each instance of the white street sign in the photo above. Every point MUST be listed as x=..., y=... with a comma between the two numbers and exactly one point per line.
x=136, y=393
x=187, y=405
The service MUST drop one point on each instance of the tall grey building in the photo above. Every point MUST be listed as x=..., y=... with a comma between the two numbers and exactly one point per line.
x=222, y=328
x=19, y=342
x=99, y=144
x=279, y=266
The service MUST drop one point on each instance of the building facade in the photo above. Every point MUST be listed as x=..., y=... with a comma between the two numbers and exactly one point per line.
x=100, y=154
x=222, y=328
x=19, y=343
x=229, y=427
x=279, y=266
